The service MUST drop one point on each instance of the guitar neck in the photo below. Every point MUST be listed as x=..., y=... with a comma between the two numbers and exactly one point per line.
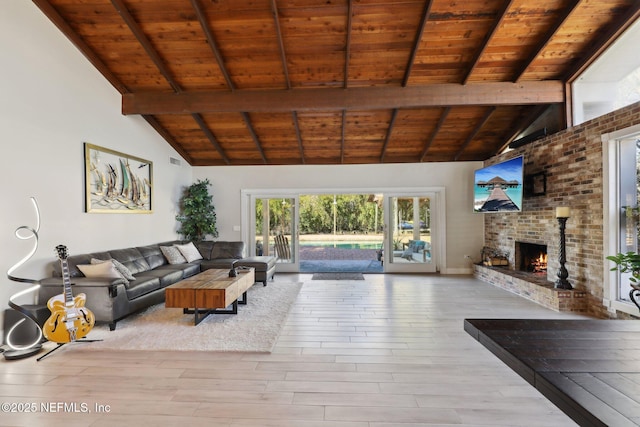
x=66, y=279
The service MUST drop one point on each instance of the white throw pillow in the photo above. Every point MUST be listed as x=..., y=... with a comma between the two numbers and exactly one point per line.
x=104, y=269
x=172, y=254
x=189, y=252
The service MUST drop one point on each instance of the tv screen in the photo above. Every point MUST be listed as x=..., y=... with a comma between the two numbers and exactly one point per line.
x=498, y=188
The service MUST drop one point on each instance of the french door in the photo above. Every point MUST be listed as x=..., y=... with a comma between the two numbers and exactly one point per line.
x=274, y=222
x=413, y=230
x=411, y=233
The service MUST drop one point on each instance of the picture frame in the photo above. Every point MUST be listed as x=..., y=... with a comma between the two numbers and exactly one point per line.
x=116, y=182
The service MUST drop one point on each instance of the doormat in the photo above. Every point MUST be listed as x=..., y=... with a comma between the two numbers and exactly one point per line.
x=337, y=276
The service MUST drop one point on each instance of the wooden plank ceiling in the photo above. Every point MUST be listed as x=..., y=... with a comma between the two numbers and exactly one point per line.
x=253, y=82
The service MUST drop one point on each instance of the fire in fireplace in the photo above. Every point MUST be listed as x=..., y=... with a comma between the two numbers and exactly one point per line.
x=531, y=257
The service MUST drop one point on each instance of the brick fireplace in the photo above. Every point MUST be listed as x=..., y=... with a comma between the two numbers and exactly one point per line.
x=527, y=275
x=572, y=163
x=530, y=257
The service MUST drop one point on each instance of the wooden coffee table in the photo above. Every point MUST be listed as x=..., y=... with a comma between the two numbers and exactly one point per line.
x=211, y=291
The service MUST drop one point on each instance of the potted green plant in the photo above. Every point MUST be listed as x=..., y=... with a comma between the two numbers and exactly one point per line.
x=197, y=214
x=627, y=263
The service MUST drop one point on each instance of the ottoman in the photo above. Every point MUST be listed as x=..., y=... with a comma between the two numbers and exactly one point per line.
x=265, y=267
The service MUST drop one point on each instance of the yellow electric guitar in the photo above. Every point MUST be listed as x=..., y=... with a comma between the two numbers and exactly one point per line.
x=70, y=320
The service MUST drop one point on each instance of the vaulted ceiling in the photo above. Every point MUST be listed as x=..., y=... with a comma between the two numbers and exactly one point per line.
x=239, y=82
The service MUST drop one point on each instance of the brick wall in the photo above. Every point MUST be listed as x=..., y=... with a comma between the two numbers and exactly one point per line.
x=572, y=161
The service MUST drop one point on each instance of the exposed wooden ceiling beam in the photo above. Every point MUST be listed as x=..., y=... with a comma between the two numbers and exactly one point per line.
x=204, y=24
x=126, y=16
x=501, y=15
x=603, y=41
x=347, y=50
x=432, y=138
x=221, y=64
x=475, y=132
x=283, y=55
x=78, y=42
x=164, y=70
x=392, y=122
x=296, y=126
x=168, y=137
x=254, y=136
x=544, y=41
x=416, y=43
x=365, y=98
x=211, y=137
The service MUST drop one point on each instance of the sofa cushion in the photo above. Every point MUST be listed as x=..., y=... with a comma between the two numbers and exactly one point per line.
x=205, y=247
x=143, y=284
x=260, y=263
x=189, y=252
x=172, y=254
x=153, y=255
x=132, y=259
x=222, y=263
x=222, y=250
x=188, y=269
x=124, y=271
x=103, y=269
x=166, y=276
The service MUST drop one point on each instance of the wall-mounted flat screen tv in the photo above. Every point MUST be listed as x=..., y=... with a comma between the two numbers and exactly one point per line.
x=499, y=187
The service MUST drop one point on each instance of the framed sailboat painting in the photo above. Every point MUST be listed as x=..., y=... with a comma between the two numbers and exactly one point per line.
x=116, y=182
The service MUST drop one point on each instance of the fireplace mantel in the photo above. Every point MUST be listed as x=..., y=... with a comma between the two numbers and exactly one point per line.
x=534, y=287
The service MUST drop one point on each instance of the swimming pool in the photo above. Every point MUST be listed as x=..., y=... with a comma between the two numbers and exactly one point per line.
x=343, y=245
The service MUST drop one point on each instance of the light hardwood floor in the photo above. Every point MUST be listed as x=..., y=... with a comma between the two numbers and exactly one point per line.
x=387, y=351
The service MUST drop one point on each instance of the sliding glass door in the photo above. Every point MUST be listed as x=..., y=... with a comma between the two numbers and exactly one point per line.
x=274, y=224
x=411, y=238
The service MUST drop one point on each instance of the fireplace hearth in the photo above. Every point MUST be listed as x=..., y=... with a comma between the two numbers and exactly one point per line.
x=531, y=257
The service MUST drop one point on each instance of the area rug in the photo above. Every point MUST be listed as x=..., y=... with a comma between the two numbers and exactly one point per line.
x=337, y=276
x=255, y=328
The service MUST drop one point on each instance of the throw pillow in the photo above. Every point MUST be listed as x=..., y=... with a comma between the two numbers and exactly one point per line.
x=126, y=273
x=189, y=252
x=104, y=269
x=172, y=254
x=122, y=269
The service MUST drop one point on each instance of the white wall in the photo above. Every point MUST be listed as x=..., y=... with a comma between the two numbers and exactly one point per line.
x=51, y=101
x=464, y=232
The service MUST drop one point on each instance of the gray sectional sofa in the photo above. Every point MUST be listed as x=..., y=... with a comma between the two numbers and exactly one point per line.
x=113, y=298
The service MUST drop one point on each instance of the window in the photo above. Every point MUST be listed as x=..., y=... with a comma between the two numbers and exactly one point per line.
x=622, y=198
x=611, y=82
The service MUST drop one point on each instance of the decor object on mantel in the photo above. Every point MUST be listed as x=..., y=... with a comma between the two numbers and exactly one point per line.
x=197, y=213
x=562, y=214
x=629, y=263
x=492, y=257
x=21, y=351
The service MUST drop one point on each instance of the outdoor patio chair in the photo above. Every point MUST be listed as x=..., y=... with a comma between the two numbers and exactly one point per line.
x=416, y=247
x=282, y=247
